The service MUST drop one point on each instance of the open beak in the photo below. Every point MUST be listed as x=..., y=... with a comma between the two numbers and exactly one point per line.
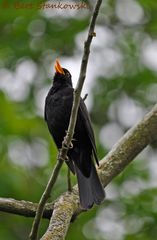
x=58, y=67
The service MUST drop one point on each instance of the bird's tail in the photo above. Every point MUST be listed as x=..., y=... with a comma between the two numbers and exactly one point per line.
x=90, y=188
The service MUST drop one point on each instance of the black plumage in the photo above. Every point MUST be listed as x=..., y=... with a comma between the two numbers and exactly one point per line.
x=58, y=106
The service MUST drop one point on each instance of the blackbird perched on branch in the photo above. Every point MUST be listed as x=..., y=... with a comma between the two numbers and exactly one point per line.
x=81, y=156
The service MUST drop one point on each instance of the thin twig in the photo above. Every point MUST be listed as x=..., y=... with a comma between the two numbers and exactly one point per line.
x=76, y=101
x=43, y=200
x=69, y=180
x=85, y=96
x=82, y=74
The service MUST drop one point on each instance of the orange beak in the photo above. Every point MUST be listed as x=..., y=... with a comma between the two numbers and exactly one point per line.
x=58, y=67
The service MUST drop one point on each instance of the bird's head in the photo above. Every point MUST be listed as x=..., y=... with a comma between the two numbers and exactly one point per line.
x=62, y=75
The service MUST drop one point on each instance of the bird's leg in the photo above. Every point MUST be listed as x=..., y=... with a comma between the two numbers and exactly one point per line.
x=69, y=181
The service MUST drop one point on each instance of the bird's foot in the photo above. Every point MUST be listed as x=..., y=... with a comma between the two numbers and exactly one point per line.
x=66, y=159
x=66, y=145
x=60, y=157
x=71, y=145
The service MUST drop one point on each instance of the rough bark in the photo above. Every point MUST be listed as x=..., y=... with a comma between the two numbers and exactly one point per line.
x=67, y=207
x=128, y=147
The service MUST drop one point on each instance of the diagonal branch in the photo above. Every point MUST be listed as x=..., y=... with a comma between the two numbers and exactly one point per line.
x=43, y=200
x=82, y=74
x=128, y=147
x=67, y=207
x=71, y=127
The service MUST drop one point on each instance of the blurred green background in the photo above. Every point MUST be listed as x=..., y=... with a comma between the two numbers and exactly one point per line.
x=122, y=87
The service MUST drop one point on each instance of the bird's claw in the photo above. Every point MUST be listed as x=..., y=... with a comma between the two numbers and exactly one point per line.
x=66, y=159
x=71, y=145
x=66, y=145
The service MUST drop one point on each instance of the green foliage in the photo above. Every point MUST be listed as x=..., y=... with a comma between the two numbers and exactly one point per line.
x=30, y=41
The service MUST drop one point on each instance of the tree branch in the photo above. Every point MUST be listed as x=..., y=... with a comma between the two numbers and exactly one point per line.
x=66, y=207
x=43, y=200
x=68, y=138
x=129, y=146
x=82, y=74
x=132, y=143
x=24, y=208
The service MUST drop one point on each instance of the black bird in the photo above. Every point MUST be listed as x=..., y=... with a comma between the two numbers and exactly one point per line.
x=58, y=106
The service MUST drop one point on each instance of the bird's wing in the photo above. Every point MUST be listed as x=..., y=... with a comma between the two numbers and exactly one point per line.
x=87, y=123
